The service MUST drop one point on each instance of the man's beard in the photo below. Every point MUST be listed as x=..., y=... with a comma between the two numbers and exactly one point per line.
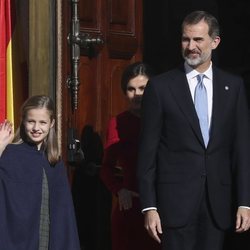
x=193, y=61
x=196, y=61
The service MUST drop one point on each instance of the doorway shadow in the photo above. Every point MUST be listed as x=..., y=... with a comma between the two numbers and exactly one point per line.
x=91, y=199
x=237, y=241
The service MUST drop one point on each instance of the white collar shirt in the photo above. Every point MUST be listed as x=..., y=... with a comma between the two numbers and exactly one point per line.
x=191, y=75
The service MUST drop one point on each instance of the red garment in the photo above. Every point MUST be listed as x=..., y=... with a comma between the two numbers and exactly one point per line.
x=128, y=232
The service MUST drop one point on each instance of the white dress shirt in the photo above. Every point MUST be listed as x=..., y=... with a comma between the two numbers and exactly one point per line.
x=191, y=75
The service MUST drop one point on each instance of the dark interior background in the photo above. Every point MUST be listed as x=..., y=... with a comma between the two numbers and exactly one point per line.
x=162, y=29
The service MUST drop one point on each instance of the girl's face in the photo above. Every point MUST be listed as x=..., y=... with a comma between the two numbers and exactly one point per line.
x=37, y=125
x=135, y=89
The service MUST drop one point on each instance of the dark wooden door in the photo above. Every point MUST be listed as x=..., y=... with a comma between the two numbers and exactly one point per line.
x=119, y=24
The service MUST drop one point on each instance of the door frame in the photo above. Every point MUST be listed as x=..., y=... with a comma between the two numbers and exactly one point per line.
x=59, y=69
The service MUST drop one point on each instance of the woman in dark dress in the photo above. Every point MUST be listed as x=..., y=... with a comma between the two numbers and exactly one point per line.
x=36, y=209
x=118, y=171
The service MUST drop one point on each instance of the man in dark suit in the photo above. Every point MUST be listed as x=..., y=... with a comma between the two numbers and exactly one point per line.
x=193, y=159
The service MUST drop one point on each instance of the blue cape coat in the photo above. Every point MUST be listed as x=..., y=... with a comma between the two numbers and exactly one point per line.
x=21, y=172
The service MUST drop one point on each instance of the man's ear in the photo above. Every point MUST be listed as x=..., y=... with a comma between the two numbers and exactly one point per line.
x=215, y=42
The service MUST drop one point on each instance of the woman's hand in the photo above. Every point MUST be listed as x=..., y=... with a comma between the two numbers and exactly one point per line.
x=125, y=198
x=6, y=135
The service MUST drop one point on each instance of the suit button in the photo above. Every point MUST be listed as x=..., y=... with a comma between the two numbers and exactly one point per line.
x=203, y=175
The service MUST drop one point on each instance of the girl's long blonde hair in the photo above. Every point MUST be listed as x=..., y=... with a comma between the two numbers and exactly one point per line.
x=50, y=145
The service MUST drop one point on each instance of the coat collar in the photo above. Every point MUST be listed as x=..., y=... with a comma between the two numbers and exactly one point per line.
x=221, y=92
x=181, y=92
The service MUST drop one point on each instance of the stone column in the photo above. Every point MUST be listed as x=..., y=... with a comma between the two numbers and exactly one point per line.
x=41, y=37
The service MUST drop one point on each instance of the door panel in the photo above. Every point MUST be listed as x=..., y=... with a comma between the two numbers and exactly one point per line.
x=119, y=23
x=122, y=40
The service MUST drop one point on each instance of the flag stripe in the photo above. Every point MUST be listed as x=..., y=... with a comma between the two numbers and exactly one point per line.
x=3, y=40
x=9, y=62
x=10, y=99
x=7, y=17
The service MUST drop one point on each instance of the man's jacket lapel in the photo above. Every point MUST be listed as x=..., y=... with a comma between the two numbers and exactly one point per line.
x=221, y=92
x=181, y=92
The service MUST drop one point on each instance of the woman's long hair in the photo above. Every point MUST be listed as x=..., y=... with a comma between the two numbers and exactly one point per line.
x=50, y=144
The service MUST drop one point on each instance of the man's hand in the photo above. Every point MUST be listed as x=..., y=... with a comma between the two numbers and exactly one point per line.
x=152, y=223
x=125, y=198
x=242, y=220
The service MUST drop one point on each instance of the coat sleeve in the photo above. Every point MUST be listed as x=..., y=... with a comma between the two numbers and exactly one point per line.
x=148, y=145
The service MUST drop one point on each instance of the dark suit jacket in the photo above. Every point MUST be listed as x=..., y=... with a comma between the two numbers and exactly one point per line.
x=173, y=162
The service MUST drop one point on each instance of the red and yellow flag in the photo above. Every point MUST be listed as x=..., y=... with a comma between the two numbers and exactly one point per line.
x=7, y=21
x=13, y=61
